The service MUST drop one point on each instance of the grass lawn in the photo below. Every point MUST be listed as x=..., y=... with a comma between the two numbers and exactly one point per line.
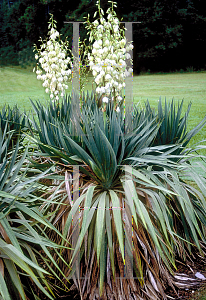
x=199, y=294
x=17, y=85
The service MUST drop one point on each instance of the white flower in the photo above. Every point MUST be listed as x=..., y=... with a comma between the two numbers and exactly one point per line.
x=98, y=59
x=97, y=79
x=102, y=73
x=94, y=51
x=97, y=68
x=105, y=49
x=116, y=28
x=119, y=98
x=103, y=90
x=98, y=89
x=60, y=79
x=100, y=51
x=52, y=88
x=107, y=43
x=118, y=109
x=127, y=73
x=109, y=68
x=100, y=27
x=96, y=23
x=108, y=85
x=96, y=45
x=109, y=17
x=38, y=72
x=94, y=72
x=108, y=76
x=53, y=37
x=128, y=56
x=130, y=70
x=130, y=47
x=105, y=100
x=122, y=42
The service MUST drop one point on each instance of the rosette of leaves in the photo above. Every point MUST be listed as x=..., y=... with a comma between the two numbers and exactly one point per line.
x=25, y=249
x=124, y=210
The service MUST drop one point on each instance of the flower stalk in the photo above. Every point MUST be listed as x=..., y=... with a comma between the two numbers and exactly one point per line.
x=109, y=52
x=54, y=65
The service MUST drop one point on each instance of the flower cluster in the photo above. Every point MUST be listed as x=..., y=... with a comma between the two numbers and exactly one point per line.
x=107, y=59
x=53, y=60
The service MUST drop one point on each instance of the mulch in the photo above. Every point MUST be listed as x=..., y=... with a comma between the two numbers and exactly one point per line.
x=189, y=268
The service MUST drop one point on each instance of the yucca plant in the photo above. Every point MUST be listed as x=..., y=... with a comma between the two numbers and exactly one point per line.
x=173, y=126
x=25, y=249
x=13, y=121
x=124, y=209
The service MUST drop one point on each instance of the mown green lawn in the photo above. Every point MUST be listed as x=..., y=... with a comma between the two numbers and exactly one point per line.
x=18, y=85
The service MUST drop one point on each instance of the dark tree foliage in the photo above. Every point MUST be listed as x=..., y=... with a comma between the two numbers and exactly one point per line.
x=171, y=35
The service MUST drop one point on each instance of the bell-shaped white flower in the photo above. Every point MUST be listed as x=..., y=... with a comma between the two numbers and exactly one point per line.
x=128, y=56
x=96, y=23
x=105, y=99
x=100, y=27
x=98, y=89
x=102, y=90
x=108, y=76
x=94, y=72
x=96, y=45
